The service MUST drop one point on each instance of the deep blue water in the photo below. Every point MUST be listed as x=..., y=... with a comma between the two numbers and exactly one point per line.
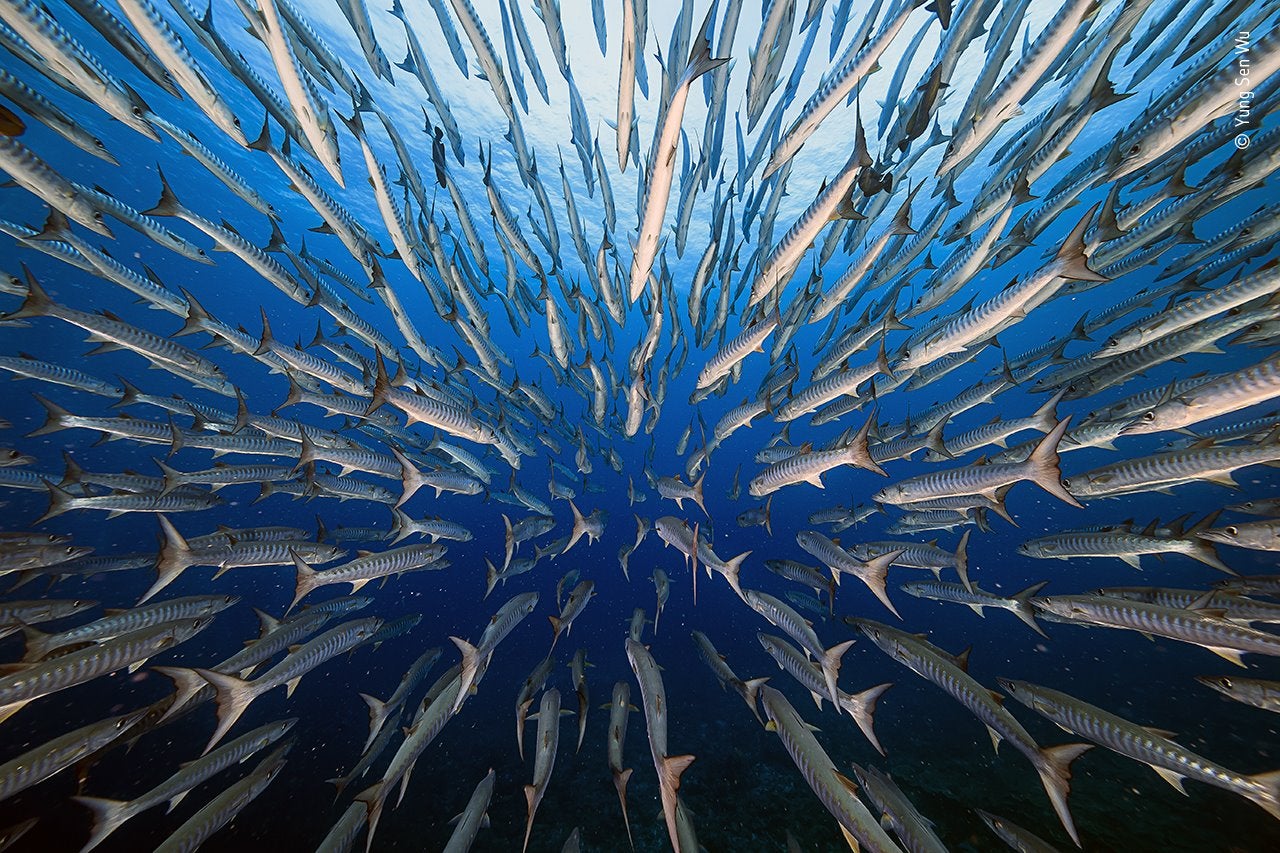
x=743, y=791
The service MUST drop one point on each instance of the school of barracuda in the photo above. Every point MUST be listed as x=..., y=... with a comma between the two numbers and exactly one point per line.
x=399, y=396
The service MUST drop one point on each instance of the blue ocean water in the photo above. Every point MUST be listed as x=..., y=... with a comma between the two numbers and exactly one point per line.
x=743, y=791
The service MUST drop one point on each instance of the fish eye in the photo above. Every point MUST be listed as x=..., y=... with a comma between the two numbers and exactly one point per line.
x=70, y=549
x=1066, y=483
x=98, y=143
x=137, y=112
x=235, y=120
x=1149, y=416
x=1134, y=149
x=1225, y=682
x=1231, y=531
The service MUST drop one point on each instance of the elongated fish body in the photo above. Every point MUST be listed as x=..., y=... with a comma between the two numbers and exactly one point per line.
x=39, y=645
x=1225, y=394
x=223, y=808
x=1163, y=471
x=545, y=757
x=784, y=617
x=235, y=694
x=833, y=790
x=913, y=829
x=312, y=115
x=749, y=340
x=619, y=712
x=810, y=466
x=654, y=700
x=485, y=54
x=748, y=690
x=39, y=763
x=109, y=815
x=1053, y=764
x=360, y=571
x=1237, y=608
x=1220, y=636
x=657, y=186
x=1015, y=836
x=976, y=599
x=65, y=56
x=835, y=88
x=472, y=816
x=182, y=67
x=1171, y=760
x=127, y=650
x=475, y=658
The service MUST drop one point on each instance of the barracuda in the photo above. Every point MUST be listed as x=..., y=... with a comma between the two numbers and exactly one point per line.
x=1206, y=629
x=1171, y=760
x=1053, y=764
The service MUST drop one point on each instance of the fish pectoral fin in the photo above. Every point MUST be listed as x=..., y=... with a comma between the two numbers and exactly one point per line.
x=291, y=685
x=1132, y=560
x=1172, y=778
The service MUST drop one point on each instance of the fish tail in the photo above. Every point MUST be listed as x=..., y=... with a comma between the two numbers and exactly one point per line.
x=531, y=802
x=1023, y=609
x=173, y=559
x=264, y=343
x=1046, y=417
x=750, y=690
x=490, y=576
x=673, y=767
x=378, y=711
x=1054, y=768
x=410, y=476
x=60, y=501
x=108, y=816
x=858, y=449
x=731, y=568
x=509, y=538
x=862, y=707
x=934, y=440
x=1269, y=797
x=700, y=59
x=962, y=561
x=874, y=573
x=234, y=695
x=168, y=205
x=56, y=227
x=1042, y=466
x=620, y=778
x=36, y=643
x=401, y=524
x=695, y=492
x=1071, y=260
x=470, y=666
x=306, y=579
x=373, y=798
x=998, y=505
x=830, y=664
x=55, y=417
x=187, y=684
x=579, y=526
